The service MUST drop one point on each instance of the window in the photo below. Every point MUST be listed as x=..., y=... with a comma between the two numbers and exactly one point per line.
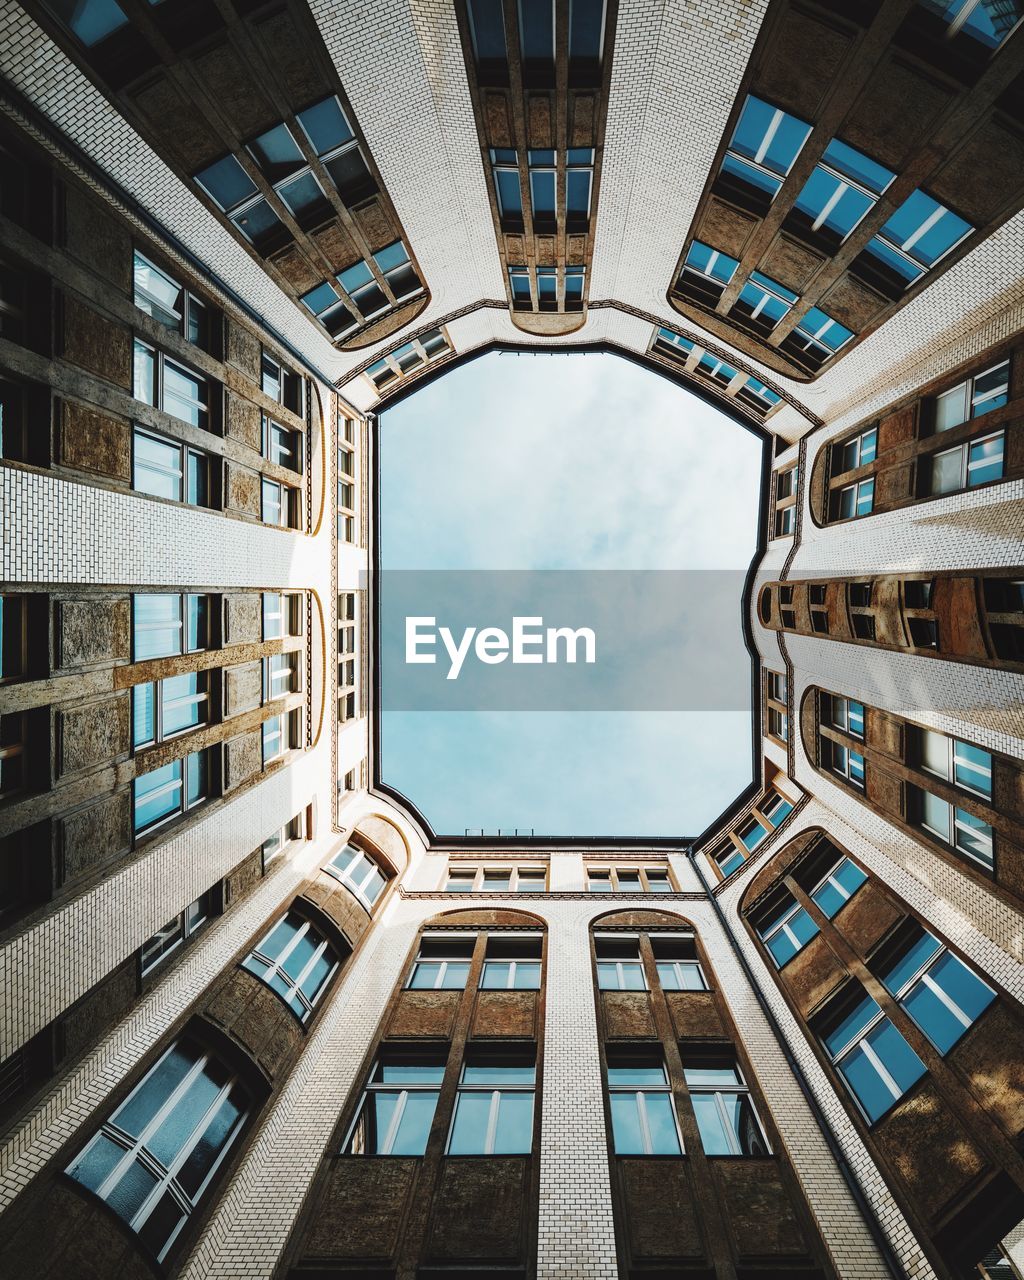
x=160, y=1150
x=90, y=20
x=296, y=961
x=764, y=146
x=462, y=880
x=280, y=675
x=579, y=182
x=175, y=932
x=235, y=193
x=1004, y=610
x=169, y=303
x=277, y=738
x=757, y=396
x=776, y=808
x=282, y=164
x=13, y=638
x=575, y=279
x=14, y=439
x=330, y=135
x=360, y=873
x=778, y=724
x=675, y=958
x=817, y=337
x=668, y=342
x=442, y=963
x=837, y=887
x=854, y=500
x=408, y=358
x=169, y=791
x=493, y=1109
x=729, y=858
x=398, y=1106
x=586, y=39
x=280, y=445
x=329, y=308
x=166, y=625
x=784, y=927
x=505, y=172
x=855, y=453
x=764, y=302
x=162, y=709
x=978, y=395
x=629, y=880
x=876, y=1063
x=842, y=760
x=543, y=185
x=168, y=469
x=776, y=685
x=278, y=504
x=167, y=385
x=281, y=615
x=346, y=495
x=939, y=992
x=726, y=1119
x=988, y=24
x=751, y=833
x=493, y=879
x=955, y=761
x=13, y=730
x=487, y=28
x=547, y=288
x=916, y=237
x=708, y=270
x=619, y=967
x=512, y=964
x=952, y=825
x=965, y=466
x=643, y=1114
x=519, y=283
x=537, y=39
x=841, y=190
x=395, y=266
x=275, y=844
x=846, y=714
x=365, y=289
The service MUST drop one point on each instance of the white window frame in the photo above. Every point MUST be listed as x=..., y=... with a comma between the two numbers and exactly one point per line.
x=355, y=883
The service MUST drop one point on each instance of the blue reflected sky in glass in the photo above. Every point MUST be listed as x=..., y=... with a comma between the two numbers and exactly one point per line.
x=566, y=462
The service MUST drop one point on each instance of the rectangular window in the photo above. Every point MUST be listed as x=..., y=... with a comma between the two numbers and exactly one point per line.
x=778, y=724
x=752, y=833
x=161, y=709
x=360, y=873
x=784, y=927
x=169, y=303
x=776, y=808
x=726, y=1118
x=841, y=191
x=281, y=615
x=275, y=738
x=154, y=1159
x=955, y=761
x=978, y=395
x=461, y=880
x=165, y=384
x=280, y=445
x=505, y=172
x=979, y=21
x=13, y=732
x=398, y=1106
x=619, y=967
x=494, y=1109
x=280, y=675
x=330, y=309
x=785, y=522
x=175, y=932
x=848, y=764
x=675, y=958
x=855, y=453
x=278, y=504
x=331, y=137
x=965, y=466
x=408, y=358
x=166, y=625
x=939, y=992
x=13, y=638
x=854, y=500
x=442, y=963
x=169, y=469
x=296, y=961
x=818, y=336
x=729, y=858
x=643, y=1114
x=764, y=302
x=837, y=887
x=873, y=1059
x=169, y=791
x=763, y=149
x=708, y=270
x=847, y=715
x=579, y=182
x=229, y=186
x=777, y=686
x=512, y=964
x=519, y=283
x=395, y=266
x=487, y=28
x=952, y=825
x=917, y=236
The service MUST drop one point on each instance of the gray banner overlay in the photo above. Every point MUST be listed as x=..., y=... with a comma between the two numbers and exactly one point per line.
x=658, y=640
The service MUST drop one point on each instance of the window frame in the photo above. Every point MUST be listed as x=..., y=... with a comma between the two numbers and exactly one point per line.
x=349, y=881
x=275, y=964
x=189, y=299
x=160, y=361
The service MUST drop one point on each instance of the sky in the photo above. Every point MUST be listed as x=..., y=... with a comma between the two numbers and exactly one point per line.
x=582, y=462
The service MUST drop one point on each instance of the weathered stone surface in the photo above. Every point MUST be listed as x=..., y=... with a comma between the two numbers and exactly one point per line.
x=243, y=490
x=93, y=631
x=812, y=974
x=990, y=1058
x=242, y=688
x=362, y=1209
x=659, y=1209
x=505, y=1013
x=867, y=917
x=479, y=1209
x=424, y=1013
x=96, y=239
x=243, y=349
x=244, y=422
x=108, y=1002
x=93, y=734
x=93, y=342
x=93, y=441
x=628, y=1014
x=245, y=876
x=243, y=618
x=94, y=835
x=374, y=223
x=243, y=759
x=694, y=1014
x=762, y=1219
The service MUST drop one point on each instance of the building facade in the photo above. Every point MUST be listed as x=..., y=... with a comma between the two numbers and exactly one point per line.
x=257, y=1019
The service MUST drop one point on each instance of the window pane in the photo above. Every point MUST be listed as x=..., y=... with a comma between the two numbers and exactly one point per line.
x=183, y=702
x=140, y=1108
x=936, y=815
x=157, y=794
x=469, y=1132
x=972, y=767
x=374, y=1123
x=195, y=778
x=922, y=947
x=90, y=20
x=325, y=125
x=143, y=375
x=183, y=395
x=939, y=1023
x=899, y=1059
x=414, y=1129
x=713, y=1137
x=626, y=1134
x=276, y=153
x=662, y=1123
x=179, y=1125
x=213, y=1140
x=227, y=182
x=143, y=715
x=514, y=1132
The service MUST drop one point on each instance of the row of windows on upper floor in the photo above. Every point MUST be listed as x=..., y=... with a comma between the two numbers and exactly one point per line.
x=768, y=815
x=751, y=392
x=905, y=619
x=364, y=292
x=942, y=995
x=533, y=879
x=540, y=36
x=547, y=288
x=560, y=187
x=411, y=357
x=347, y=493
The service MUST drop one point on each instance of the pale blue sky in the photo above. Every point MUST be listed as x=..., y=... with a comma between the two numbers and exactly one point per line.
x=582, y=462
